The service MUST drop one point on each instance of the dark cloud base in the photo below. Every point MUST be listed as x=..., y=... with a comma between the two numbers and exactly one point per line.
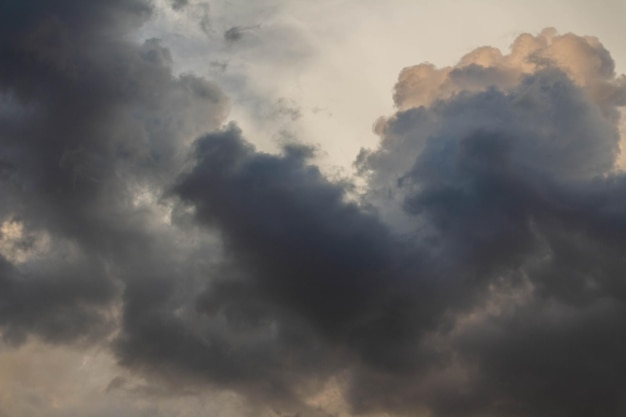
x=480, y=274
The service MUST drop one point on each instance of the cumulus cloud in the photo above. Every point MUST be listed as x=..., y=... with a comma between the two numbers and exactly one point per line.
x=478, y=273
x=583, y=59
x=92, y=120
x=504, y=167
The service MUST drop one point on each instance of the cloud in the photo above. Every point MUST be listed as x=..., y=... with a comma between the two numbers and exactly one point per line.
x=94, y=121
x=478, y=273
x=585, y=61
x=236, y=33
x=505, y=167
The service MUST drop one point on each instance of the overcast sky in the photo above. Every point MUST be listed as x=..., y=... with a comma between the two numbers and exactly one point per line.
x=294, y=208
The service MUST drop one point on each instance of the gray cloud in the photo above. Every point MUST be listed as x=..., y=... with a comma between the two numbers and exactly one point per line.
x=94, y=122
x=513, y=187
x=479, y=274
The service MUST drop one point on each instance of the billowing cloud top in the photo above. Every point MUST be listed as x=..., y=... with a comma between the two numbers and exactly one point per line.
x=480, y=271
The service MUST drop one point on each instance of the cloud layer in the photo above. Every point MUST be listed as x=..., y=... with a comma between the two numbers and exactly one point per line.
x=479, y=272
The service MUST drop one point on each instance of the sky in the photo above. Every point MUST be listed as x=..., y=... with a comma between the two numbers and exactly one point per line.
x=312, y=209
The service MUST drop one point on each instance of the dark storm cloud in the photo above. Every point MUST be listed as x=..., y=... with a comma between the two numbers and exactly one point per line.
x=510, y=200
x=95, y=129
x=308, y=282
x=499, y=292
x=514, y=191
x=291, y=229
x=90, y=119
x=481, y=273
